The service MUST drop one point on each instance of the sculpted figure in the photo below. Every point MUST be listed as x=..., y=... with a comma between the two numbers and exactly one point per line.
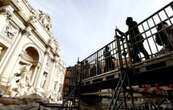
x=45, y=20
x=21, y=82
x=11, y=31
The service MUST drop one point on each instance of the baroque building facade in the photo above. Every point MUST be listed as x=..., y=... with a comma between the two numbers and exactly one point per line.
x=29, y=54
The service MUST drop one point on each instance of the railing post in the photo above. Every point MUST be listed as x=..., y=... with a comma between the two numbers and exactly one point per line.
x=128, y=49
x=97, y=63
x=119, y=50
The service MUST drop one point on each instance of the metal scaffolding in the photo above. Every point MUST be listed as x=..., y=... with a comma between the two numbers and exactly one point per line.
x=137, y=85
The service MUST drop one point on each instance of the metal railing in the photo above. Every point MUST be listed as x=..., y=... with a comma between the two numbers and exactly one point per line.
x=157, y=40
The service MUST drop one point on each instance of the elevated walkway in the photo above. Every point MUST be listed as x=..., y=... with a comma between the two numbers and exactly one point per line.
x=98, y=73
x=114, y=73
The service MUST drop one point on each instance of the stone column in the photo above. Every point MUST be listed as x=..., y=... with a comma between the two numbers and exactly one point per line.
x=15, y=67
x=41, y=70
x=49, y=82
x=4, y=76
x=12, y=55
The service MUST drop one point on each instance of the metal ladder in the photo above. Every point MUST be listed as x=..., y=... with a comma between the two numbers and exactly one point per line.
x=118, y=95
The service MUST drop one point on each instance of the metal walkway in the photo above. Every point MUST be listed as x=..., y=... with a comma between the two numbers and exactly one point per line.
x=104, y=68
x=105, y=65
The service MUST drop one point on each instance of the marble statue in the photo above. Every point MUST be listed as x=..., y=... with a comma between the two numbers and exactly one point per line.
x=44, y=20
x=22, y=82
x=11, y=31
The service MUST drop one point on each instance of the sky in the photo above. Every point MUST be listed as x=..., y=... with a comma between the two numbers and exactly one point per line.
x=81, y=27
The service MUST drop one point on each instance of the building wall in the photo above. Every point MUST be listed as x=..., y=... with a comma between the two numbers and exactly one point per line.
x=29, y=54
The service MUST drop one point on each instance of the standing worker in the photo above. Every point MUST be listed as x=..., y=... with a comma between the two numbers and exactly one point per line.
x=135, y=40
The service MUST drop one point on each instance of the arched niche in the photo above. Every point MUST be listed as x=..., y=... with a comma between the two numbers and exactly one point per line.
x=44, y=79
x=30, y=57
x=25, y=73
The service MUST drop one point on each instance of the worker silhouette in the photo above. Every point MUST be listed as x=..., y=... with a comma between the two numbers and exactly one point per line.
x=86, y=69
x=109, y=64
x=135, y=40
x=95, y=70
x=164, y=36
